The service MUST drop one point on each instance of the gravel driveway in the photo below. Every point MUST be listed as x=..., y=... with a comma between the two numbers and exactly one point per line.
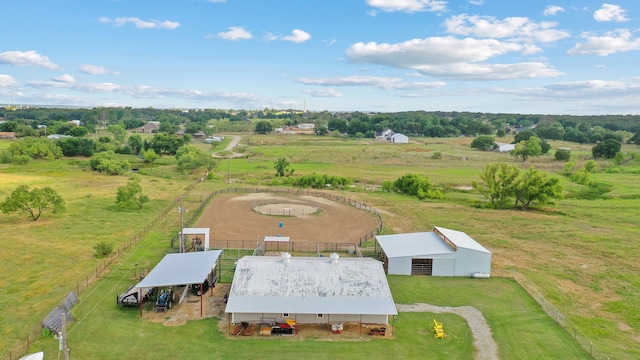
x=482, y=340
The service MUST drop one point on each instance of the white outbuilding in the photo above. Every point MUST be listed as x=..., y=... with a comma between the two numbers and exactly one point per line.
x=310, y=290
x=441, y=252
x=400, y=138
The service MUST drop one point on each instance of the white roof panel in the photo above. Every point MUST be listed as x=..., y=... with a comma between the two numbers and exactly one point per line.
x=413, y=244
x=310, y=285
x=181, y=269
x=461, y=239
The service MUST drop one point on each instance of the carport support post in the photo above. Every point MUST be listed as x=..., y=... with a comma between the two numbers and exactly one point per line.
x=201, y=298
x=140, y=300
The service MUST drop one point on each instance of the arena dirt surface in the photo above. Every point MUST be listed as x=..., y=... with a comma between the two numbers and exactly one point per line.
x=231, y=217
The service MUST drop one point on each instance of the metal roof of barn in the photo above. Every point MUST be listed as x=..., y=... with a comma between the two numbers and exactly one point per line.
x=181, y=269
x=427, y=243
x=310, y=285
x=413, y=244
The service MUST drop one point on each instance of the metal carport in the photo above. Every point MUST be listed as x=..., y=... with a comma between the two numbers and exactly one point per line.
x=180, y=270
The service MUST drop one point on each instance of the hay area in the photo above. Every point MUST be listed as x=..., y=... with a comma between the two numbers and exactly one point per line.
x=234, y=217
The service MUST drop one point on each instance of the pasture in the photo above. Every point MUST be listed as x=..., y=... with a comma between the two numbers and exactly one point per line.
x=581, y=254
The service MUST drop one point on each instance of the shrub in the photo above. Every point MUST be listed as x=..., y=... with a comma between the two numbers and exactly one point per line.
x=103, y=249
x=563, y=154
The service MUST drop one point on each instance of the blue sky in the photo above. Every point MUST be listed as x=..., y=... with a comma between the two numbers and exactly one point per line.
x=530, y=57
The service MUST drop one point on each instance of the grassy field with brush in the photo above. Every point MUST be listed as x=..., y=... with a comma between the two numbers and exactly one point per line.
x=581, y=254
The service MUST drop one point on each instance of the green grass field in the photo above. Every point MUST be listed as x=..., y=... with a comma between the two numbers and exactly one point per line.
x=581, y=254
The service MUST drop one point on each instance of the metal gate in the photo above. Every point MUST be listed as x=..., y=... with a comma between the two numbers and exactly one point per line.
x=421, y=266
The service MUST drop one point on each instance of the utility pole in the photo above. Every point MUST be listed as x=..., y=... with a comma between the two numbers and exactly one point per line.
x=181, y=211
x=63, y=338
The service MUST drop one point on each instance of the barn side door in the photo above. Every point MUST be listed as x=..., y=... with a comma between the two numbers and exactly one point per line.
x=421, y=266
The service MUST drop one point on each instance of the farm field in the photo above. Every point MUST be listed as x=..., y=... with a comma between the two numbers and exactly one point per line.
x=581, y=254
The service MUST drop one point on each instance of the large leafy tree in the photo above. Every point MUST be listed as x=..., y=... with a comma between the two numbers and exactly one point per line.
x=534, y=186
x=527, y=148
x=506, y=187
x=498, y=184
x=606, y=149
x=34, y=202
x=165, y=143
x=416, y=185
x=135, y=143
x=190, y=158
x=35, y=148
x=483, y=142
x=263, y=127
x=130, y=195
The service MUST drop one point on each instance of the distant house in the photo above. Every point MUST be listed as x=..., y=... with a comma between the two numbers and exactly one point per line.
x=310, y=290
x=385, y=135
x=199, y=135
x=76, y=122
x=441, y=252
x=150, y=127
x=504, y=147
x=399, y=139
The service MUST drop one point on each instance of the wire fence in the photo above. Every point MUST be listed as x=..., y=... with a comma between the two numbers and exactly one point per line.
x=234, y=249
x=38, y=330
x=251, y=244
x=553, y=312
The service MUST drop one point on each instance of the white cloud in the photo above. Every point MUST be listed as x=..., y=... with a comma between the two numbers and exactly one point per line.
x=93, y=69
x=7, y=81
x=26, y=58
x=553, y=10
x=609, y=12
x=297, y=36
x=67, y=82
x=65, y=78
x=388, y=83
x=434, y=50
x=323, y=93
x=467, y=71
x=594, y=88
x=612, y=42
x=513, y=28
x=449, y=57
x=141, y=24
x=409, y=6
x=235, y=33
x=349, y=81
x=476, y=2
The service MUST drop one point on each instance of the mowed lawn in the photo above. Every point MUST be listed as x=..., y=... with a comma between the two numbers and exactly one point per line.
x=581, y=254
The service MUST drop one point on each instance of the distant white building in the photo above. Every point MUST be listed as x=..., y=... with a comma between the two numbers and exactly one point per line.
x=213, y=139
x=306, y=126
x=441, y=252
x=399, y=139
x=310, y=290
x=504, y=147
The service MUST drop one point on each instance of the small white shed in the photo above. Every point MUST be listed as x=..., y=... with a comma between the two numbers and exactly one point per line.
x=504, y=147
x=441, y=252
x=400, y=139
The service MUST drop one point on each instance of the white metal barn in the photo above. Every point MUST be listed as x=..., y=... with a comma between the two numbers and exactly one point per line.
x=310, y=290
x=441, y=252
x=400, y=139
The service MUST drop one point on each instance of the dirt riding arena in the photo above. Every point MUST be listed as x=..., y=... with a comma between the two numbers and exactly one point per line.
x=304, y=218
